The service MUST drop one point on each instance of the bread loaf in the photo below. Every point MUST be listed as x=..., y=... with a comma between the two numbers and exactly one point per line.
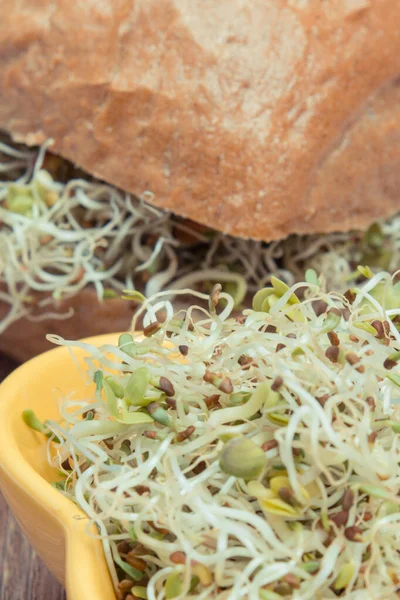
x=258, y=118
x=26, y=338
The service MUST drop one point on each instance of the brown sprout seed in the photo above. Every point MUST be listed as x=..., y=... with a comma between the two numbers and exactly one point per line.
x=178, y=557
x=333, y=338
x=340, y=518
x=389, y=364
x=353, y=534
x=323, y=399
x=270, y=445
x=212, y=401
x=183, y=435
x=125, y=585
x=352, y=358
x=332, y=353
x=124, y=547
x=215, y=292
x=166, y=387
x=348, y=499
x=276, y=384
x=245, y=361
x=151, y=329
x=135, y=562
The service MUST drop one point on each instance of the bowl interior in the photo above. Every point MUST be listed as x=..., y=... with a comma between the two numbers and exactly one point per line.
x=53, y=524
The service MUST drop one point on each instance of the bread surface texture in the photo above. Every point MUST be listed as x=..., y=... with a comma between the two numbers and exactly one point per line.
x=258, y=118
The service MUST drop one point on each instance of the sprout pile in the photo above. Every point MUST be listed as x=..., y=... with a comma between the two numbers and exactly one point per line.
x=249, y=457
x=61, y=232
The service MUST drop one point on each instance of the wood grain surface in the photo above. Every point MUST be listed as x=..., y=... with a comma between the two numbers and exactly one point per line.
x=22, y=574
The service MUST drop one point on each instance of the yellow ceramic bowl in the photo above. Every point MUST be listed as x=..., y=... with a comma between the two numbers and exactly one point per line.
x=53, y=524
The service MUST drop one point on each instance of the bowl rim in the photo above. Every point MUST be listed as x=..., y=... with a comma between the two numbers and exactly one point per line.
x=79, y=549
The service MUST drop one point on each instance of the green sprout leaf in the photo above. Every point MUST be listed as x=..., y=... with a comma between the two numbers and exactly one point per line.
x=173, y=585
x=241, y=457
x=133, y=573
x=136, y=387
x=365, y=271
x=394, y=378
x=311, y=277
x=134, y=296
x=116, y=387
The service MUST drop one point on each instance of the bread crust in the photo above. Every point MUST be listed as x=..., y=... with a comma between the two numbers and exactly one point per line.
x=26, y=338
x=257, y=118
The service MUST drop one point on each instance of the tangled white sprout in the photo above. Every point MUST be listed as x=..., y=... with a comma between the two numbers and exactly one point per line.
x=254, y=457
x=57, y=238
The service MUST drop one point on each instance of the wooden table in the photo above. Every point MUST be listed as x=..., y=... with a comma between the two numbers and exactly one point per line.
x=22, y=574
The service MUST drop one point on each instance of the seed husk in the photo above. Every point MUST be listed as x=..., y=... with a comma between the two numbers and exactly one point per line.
x=245, y=361
x=323, y=399
x=166, y=387
x=151, y=435
x=135, y=561
x=333, y=338
x=348, y=499
x=292, y=580
x=212, y=401
x=371, y=402
x=350, y=296
x=389, y=364
x=184, y=435
x=241, y=457
x=223, y=384
x=354, y=534
x=277, y=383
x=66, y=464
x=178, y=557
x=380, y=331
x=352, y=358
x=125, y=585
x=124, y=547
x=214, y=295
x=270, y=445
x=340, y=518
x=151, y=329
x=183, y=349
x=332, y=353
x=287, y=495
